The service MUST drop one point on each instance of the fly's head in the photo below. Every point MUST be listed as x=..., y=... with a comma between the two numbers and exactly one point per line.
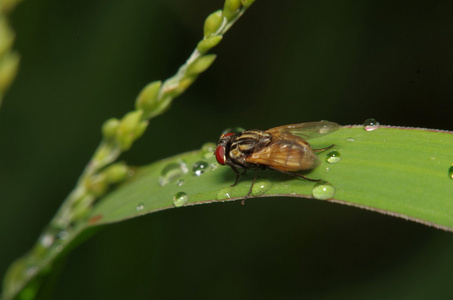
x=223, y=147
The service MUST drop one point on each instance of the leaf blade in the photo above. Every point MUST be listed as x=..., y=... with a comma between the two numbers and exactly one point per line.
x=397, y=171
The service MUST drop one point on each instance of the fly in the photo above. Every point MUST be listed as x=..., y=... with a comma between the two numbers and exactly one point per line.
x=283, y=149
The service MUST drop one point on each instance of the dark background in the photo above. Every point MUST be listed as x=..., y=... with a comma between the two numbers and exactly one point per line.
x=284, y=62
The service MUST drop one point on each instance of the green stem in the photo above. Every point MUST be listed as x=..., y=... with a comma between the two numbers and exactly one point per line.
x=101, y=172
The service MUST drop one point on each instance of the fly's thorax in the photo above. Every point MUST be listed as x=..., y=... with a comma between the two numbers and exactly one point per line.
x=246, y=143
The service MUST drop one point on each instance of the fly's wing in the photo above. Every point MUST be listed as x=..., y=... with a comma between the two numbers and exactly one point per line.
x=286, y=152
x=308, y=130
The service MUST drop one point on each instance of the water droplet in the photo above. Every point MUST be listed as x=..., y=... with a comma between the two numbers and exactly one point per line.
x=31, y=271
x=327, y=169
x=172, y=171
x=180, y=182
x=63, y=234
x=140, y=206
x=199, y=167
x=224, y=193
x=370, y=125
x=52, y=235
x=323, y=190
x=214, y=166
x=450, y=172
x=333, y=157
x=350, y=139
x=47, y=240
x=233, y=130
x=180, y=199
x=207, y=150
x=261, y=186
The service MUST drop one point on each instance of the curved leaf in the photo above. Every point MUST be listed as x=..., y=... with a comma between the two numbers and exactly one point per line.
x=397, y=171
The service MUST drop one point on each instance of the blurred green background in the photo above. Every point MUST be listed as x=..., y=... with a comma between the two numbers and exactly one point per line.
x=284, y=62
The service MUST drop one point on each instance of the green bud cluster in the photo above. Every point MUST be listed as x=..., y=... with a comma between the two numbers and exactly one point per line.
x=208, y=42
x=95, y=186
x=231, y=8
x=125, y=131
x=212, y=23
x=154, y=99
x=81, y=208
x=118, y=134
x=7, y=5
x=116, y=173
x=149, y=102
x=9, y=60
x=131, y=127
x=110, y=128
x=187, y=74
x=247, y=3
x=217, y=23
x=98, y=184
x=200, y=65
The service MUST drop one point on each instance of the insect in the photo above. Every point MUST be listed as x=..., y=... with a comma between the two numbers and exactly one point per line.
x=283, y=149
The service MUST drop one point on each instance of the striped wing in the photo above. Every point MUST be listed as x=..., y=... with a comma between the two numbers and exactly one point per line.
x=308, y=130
x=286, y=152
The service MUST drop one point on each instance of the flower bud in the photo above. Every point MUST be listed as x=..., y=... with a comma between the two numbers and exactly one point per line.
x=110, y=127
x=213, y=23
x=7, y=37
x=116, y=172
x=231, y=7
x=8, y=69
x=96, y=185
x=147, y=100
x=247, y=3
x=207, y=43
x=200, y=64
x=131, y=127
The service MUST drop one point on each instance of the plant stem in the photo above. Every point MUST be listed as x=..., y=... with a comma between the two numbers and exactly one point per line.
x=101, y=172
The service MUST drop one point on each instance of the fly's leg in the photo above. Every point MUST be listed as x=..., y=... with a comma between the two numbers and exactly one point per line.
x=324, y=149
x=251, y=187
x=238, y=174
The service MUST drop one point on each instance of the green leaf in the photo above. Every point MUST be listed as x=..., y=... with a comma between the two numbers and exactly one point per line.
x=397, y=171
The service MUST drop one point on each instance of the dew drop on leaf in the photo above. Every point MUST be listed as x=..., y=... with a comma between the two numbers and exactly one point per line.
x=31, y=271
x=224, y=193
x=333, y=157
x=180, y=199
x=371, y=125
x=47, y=240
x=172, y=171
x=140, y=206
x=62, y=234
x=261, y=186
x=323, y=190
x=199, y=167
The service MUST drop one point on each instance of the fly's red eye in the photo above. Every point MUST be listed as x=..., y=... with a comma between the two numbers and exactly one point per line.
x=227, y=134
x=220, y=154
